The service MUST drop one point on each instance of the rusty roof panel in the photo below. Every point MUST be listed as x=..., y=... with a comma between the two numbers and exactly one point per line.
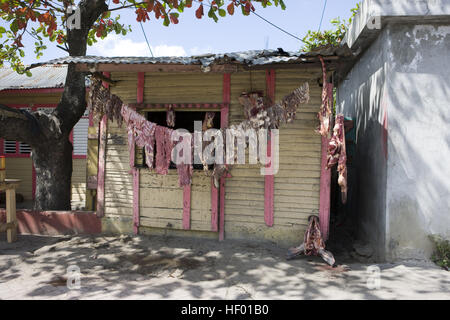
x=45, y=76
x=249, y=58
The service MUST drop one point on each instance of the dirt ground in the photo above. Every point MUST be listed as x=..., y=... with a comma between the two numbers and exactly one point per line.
x=142, y=267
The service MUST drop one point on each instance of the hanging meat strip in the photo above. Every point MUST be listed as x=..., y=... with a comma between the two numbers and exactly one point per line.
x=164, y=147
x=140, y=132
x=337, y=154
x=185, y=171
x=170, y=117
x=102, y=102
x=313, y=243
x=325, y=112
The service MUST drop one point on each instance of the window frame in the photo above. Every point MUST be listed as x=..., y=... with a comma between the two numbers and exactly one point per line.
x=187, y=107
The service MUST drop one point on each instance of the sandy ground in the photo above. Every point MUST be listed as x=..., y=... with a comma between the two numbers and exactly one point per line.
x=138, y=267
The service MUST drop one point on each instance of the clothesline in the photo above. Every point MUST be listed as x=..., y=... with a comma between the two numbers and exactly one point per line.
x=146, y=134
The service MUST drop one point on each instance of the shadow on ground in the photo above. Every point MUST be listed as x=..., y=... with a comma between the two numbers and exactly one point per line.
x=142, y=267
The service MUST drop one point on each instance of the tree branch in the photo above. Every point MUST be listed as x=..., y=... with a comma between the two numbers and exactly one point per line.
x=17, y=125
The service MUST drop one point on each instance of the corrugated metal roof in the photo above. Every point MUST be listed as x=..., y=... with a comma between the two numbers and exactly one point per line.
x=45, y=76
x=249, y=58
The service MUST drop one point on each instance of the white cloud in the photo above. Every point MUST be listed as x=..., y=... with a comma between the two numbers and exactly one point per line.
x=195, y=51
x=168, y=51
x=117, y=46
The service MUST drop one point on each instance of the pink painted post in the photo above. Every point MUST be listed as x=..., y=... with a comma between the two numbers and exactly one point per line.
x=103, y=132
x=224, y=113
x=269, y=180
x=101, y=167
x=325, y=190
x=187, y=207
x=325, y=182
x=134, y=170
x=214, y=207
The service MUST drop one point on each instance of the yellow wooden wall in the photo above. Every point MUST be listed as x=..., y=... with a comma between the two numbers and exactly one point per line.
x=21, y=168
x=78, y=198
x=296, y=187
x=161, y=199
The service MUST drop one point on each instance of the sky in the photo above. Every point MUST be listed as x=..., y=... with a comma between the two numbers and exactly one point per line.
x=232, y=33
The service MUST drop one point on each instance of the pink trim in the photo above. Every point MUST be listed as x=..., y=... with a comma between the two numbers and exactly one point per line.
x=141, y=105
x=12, y=155
x=101, y=167
x=140, y=87
x=214, y=207
x=135, y=171
x=187, y=207
x=41, y=90
x=269, y=180
x=136, y=218
x=325, y=190
x=78, y=157
x=222, y=210
x=224, y=115
x=55, y=222
x=33, y=180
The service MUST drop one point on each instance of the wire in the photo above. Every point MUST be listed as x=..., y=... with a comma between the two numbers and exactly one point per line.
x=146, y=40
x=274, y=25
x=264, y=19
x=323, y=12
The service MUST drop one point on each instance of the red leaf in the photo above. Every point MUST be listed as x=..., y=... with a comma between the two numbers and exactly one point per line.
x=173, y=19
x=150, y=5
x=199, y=12
x=116, y=1
x=188, y=3
x=230, y=9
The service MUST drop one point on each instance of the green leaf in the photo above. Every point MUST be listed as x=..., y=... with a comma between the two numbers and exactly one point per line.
x=166, y=21
x=222, y=13
x=14, y=26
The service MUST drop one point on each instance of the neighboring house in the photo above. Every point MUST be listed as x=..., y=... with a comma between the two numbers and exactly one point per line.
x=245, y=204
x=398, y=92
x=42, y=92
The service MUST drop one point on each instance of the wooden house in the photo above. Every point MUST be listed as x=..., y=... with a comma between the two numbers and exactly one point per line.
x=246, y=205
x=42, y=92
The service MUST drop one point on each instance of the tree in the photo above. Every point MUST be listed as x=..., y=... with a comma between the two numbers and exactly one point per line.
x=315, y=39
x=74, y=25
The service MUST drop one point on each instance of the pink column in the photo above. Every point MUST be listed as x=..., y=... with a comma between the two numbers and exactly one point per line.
x=269, y=181
x=224, y=114
x=103, y=131
x=135, y=171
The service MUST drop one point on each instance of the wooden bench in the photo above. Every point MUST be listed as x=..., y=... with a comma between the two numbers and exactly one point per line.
x=10, y=186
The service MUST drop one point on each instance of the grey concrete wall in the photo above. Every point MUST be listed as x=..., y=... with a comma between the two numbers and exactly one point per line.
x=400, y=86
x=418, y=175
x=363, y=96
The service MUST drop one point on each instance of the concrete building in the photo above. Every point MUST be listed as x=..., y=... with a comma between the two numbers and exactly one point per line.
x=398, y=93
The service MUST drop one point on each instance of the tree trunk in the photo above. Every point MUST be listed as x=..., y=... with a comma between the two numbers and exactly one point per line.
x=53, y=164
x=48, y=135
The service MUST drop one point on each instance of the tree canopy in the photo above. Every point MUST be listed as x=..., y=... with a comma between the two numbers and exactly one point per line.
x=51, y=19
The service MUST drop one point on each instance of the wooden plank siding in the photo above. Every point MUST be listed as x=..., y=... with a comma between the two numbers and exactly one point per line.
x=296, y=185
x=78, y=199
x=296, y=190
x=160, y=197
x=118, y=181
x=21, y=168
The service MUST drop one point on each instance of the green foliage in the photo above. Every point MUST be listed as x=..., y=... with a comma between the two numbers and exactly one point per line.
x=47, y=19
x=315, y=39
x=441, y=254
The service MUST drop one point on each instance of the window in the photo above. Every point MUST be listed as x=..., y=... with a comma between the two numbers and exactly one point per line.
x=9, y=146
x=80, y=137
x=183, y=120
